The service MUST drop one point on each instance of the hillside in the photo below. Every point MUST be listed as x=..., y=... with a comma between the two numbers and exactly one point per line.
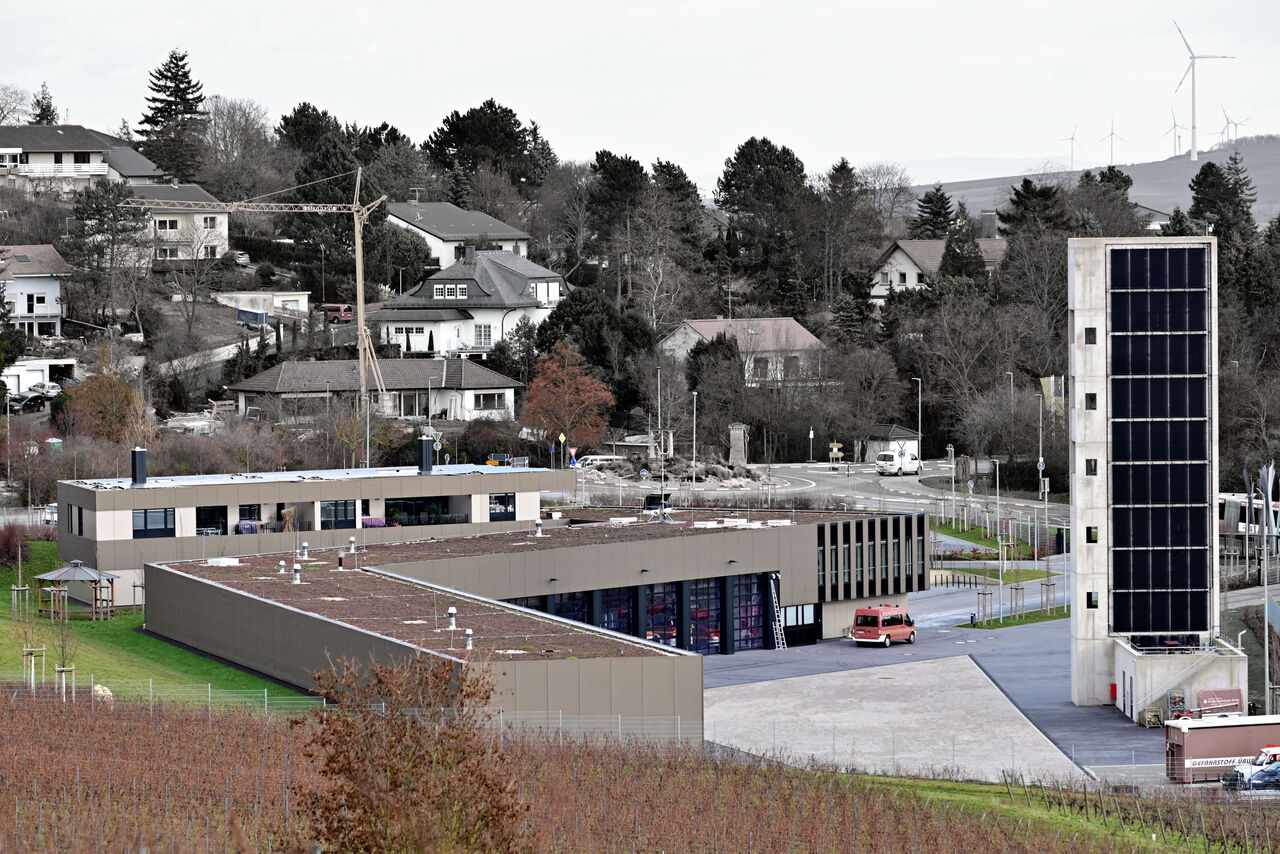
x=1160, y=185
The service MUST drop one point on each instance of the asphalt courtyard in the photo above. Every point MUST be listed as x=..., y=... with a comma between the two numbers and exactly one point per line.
x=960, y=701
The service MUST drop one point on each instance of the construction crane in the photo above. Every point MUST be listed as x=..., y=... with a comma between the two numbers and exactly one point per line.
x=367, y=359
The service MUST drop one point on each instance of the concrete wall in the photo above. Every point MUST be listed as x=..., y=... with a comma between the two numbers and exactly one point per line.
x=1145, y=680
x=292, y=645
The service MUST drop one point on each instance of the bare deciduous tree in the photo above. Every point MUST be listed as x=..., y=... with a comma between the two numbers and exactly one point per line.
x=891, y=195
x=14, y=103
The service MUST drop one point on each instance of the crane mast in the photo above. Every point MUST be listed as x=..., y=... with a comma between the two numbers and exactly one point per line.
x=366, y=358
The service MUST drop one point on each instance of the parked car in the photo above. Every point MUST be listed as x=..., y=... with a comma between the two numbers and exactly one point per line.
x=26, y=401
x=242, y=259
x=49, y=390
x=889, y=462
x=882, y=624
x=338, y=312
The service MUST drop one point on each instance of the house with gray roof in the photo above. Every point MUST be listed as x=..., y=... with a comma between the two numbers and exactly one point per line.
x=774, y=350
x=448, y=229
x=470, y=306
x=58, y=160
x=184, y=235
x=907, y=264
x=446, y=389
x=31, y=277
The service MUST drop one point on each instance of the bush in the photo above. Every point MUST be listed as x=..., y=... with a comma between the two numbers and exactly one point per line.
x=266, y=273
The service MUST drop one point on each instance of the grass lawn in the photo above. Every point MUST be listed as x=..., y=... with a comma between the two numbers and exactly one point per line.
x=117, y=648
x=1020, y=551
x=1013, y=576
x=1026, y=619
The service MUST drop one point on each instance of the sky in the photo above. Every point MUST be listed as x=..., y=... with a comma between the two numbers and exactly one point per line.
x=949, y=90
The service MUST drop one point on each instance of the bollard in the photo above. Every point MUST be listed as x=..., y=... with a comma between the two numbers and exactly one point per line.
x=352, y=541
x=973, y=620
x=339, y=560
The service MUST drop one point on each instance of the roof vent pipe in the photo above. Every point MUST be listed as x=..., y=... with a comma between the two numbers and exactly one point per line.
x=453, y=617
x=297, y=573
x=468, y=633
x=305, y=547
x=282, y=567
x=139, y=466
x=424, y=455
x=352, y=542
x=469, y=255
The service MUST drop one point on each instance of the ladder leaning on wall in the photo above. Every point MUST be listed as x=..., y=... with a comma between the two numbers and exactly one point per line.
x=779, y=636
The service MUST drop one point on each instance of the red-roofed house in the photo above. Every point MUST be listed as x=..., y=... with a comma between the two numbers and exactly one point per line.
x=774, y=349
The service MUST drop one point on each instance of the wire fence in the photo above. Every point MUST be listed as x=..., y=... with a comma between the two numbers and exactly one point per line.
x=86, y=688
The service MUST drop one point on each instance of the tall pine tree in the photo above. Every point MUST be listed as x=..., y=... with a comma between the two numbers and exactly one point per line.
x=171, y=129
x=43, y=112
x=961, y=255
x=933, y=216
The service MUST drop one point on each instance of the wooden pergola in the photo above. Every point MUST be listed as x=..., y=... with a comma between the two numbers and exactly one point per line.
x=53, y=592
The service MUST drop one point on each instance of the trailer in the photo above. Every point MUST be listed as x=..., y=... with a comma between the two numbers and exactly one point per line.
x=254, y=319
x=1196, y=750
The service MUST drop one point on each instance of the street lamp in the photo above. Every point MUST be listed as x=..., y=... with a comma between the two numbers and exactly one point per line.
x=1010, y=373
x=1044, y=493
x=695, y=440
x=951, y=458
x=999, y=540
x=919, y=422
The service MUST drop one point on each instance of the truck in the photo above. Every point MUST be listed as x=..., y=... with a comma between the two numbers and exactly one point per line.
x=1239, y=777
x=1214, y=748
x=254, y=319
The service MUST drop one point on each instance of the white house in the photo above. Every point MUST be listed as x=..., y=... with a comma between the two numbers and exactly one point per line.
x=57, y=160
x=907, y=264
x=468, y=307
x=774, y=350
x=452, y=389
x=32, y=281
x=184, y=235
x=447, y=229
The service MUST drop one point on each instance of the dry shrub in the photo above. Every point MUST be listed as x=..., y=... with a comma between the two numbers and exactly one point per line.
x=408, y=762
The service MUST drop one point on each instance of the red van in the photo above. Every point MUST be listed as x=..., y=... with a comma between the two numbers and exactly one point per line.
x=335, y=312
x=883, y=624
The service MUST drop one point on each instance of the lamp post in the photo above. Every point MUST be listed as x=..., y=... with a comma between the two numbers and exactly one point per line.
x=1044, y=493
x=919, y=422
x=1010, y=373
x=999, y=539
x=951, y=458
x=695, y=440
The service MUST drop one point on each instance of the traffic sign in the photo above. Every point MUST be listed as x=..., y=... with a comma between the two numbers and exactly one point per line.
x=573, y=463
x=1040, y=465
x=901, y=453
x=562, y=437
x=835, y=446
x=644, y=474
x=971, y=486
x=573, y=452
x=437, y=446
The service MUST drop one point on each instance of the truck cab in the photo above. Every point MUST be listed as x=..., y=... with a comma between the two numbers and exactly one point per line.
x=882, y=625
x=1239, y=776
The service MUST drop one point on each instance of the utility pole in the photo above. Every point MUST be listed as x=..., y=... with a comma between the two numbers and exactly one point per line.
x=999, y=538
x=919, y=419
x=695, y=441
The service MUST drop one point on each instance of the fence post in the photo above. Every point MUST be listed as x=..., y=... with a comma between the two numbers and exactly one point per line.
x=209, y=685
x=92, y=682
x=265, y=703
x=562, y=728
x=151, y=694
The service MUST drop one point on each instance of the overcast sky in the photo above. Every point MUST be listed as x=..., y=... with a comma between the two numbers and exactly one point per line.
x=688, y=81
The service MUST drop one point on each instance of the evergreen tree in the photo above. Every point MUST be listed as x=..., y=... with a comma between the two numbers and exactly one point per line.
x=43, y=112
x=173, y=125
x=1033, y=206
x=961, y=255
x=488, y=135
x=851, y=319
x=458, y=189
x=933, y=216
x=1224, y=199
x=303, y=128
x=1179, y=225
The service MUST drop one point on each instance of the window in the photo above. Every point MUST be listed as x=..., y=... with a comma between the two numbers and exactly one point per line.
x=250, y=512
x=1090, y=335
x=502, y=507
x=884, y=277
x=80, y=521
x=151, y=524
x=1091, y=534
x=81, y=157
x=166, y=225
x=491, y=401
x=484, y=334
x=462, y=291
x=704, y=615
x=902, y=278
x=211, y=252
x=210, y=223
x=451, y=291
x=211, y=521
x=420, y=511
x=57, y=158
x=791, y=366
x=459, y=252
x=166, y=253
x=438, y=291
x=1091, y=400
x=337, y=514
x=760, y=368
x=1092, y=597
x=1091, y=468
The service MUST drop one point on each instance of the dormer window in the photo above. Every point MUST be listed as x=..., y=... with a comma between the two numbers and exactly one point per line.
x=451, y=291
x=462, y=291
x=439, y=292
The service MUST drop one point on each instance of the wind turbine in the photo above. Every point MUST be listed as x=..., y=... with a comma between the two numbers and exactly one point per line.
x=1173, y=129
x=1113, y=136
x=1072, y=138
x=1234, y=126
x=1191, y=69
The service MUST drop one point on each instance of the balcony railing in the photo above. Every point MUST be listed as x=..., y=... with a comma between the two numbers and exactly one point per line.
x=61, y=170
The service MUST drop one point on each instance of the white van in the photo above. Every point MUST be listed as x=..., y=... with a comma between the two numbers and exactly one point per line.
x=888, y=462
x=599, y=459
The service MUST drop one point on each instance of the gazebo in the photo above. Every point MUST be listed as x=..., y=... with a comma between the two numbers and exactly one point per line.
x=53, y=592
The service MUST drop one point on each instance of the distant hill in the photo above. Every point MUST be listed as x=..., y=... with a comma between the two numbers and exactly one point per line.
x=1160, y=185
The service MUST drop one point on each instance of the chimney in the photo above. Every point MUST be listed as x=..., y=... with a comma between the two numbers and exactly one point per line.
x=470, y=255
x=424, y=455
x=139, y=466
